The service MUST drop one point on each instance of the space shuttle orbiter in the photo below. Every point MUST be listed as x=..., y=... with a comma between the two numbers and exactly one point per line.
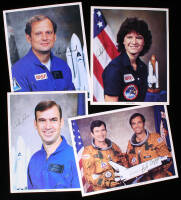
x=125, y=174
x=76, y=62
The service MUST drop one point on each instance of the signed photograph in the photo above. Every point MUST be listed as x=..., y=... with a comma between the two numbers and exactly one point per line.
x=41, y=157
x=129, y=56
x=123, y=148
x=47, y=51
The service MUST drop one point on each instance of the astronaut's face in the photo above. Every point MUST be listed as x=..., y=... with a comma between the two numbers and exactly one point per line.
x=133, y=43
x=48, y=125
x=138, y=125
x=42, y=37
x=99, y=133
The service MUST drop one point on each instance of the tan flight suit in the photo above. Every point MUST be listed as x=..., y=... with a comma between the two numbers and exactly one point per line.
x=152, y=147
x=96, y=168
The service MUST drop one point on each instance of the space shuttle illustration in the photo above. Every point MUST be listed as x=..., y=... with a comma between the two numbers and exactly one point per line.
x=124, y=174
x=76, y=61
x=20, y=160
x=153, y=79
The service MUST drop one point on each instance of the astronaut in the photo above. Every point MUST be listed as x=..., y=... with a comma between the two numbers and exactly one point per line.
x=53, y=166
x=40, y=69
x=96, y=156
x=144, y=146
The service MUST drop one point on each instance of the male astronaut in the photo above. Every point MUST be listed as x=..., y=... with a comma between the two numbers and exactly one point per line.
x=144, y=146
x=53, y=166
x=39, y=69
x=96, y=156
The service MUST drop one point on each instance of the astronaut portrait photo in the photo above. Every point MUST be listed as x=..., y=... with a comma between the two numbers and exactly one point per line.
x=123, y=148
x=41, y=156
x=129, y=56
x=47, y=50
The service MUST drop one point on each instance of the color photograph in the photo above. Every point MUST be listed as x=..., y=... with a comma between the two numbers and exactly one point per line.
x=129, y=56
x=47, y=51
x=123, y=148
x=40, y=148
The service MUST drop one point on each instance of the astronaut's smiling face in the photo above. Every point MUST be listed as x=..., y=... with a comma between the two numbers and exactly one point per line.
x=133, y=43
x=138, y=125
x=48, y=125
x=99, y=134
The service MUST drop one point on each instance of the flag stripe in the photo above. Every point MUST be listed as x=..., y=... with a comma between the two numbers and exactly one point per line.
x=104, y=50
x=80, y=147
x=100, y=52
x=98, y=90
x=108, y=45
x=98, y=70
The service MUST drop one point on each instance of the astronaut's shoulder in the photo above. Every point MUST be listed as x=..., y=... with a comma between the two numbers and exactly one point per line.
x=155, y=137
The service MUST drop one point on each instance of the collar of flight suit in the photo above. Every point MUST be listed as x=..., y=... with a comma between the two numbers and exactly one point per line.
x=109, y=143
x=133, y=139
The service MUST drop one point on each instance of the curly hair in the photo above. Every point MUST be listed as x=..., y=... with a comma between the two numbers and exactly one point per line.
x=139, y=26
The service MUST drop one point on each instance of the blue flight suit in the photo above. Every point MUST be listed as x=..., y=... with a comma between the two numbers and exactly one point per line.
x=119, y=79
x=56, y=172
x=29, y=74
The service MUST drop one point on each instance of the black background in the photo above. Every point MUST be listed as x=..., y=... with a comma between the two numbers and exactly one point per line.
x=166, y=189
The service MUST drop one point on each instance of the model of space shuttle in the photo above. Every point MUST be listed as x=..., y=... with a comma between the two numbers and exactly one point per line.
x=76, y=62
x=20, y=158
x=153, y=79
x=125, y=174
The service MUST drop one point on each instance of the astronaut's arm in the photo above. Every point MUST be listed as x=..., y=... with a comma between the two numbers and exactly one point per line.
x=162, y=150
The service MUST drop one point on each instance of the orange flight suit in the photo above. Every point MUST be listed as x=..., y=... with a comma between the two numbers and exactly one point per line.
x=96, y=168
x=152, y=147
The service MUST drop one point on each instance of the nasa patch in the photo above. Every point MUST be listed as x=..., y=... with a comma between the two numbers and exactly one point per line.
x=42, y=76
x=130, y=92
x=128, y=78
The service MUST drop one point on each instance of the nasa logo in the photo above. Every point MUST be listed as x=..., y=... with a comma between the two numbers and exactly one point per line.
x=130, y=92
x=42, y=76
x=128, y=78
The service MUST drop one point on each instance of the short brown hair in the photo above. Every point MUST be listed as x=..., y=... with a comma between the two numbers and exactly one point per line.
x=37, y=18
x=45, y=105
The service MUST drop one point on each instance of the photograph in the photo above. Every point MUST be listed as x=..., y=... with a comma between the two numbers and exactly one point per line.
x=123, y=148
x=41, y=156
x=129, y=56
x=47, y=51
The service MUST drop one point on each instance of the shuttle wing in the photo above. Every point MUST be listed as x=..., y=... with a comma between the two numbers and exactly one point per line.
x=125, y=174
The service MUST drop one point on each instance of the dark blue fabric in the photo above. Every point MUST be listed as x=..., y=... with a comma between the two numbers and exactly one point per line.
x=58, y=171
x=25, y=70
x=81, y=104
x=114, y=78
x=156, y=97
x=157, y=116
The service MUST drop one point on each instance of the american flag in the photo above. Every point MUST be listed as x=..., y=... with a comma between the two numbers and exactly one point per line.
x=80, y=149
x=104, y=50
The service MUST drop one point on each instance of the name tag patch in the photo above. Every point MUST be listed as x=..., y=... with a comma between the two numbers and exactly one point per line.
x=56, y=168
x=42, y=76
x=128, y=78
